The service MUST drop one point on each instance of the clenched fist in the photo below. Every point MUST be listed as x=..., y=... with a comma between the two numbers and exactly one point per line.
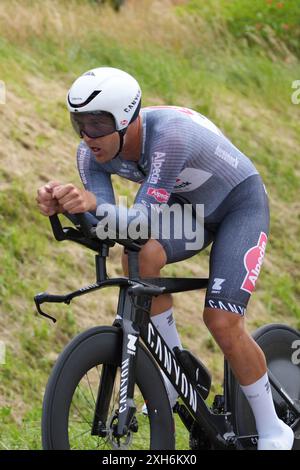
x=48, y=205
x=74, y=200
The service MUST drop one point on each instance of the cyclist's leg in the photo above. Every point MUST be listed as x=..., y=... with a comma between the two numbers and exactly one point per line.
x=152, y=258
x=236, y=258
x=168, y=247
x=235, y=261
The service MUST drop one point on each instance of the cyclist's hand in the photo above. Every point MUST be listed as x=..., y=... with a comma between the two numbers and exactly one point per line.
x=47, y=204
x=74, y=200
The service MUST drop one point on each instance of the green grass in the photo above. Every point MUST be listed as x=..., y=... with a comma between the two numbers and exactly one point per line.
x=253, y=20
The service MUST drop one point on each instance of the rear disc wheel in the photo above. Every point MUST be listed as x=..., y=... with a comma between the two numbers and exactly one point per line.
x=279, y=343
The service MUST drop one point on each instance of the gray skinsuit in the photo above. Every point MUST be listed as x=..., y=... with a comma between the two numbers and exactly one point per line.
x=187, y=161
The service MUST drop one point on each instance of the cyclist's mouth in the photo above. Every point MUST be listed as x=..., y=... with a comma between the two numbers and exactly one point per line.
x=95, y=150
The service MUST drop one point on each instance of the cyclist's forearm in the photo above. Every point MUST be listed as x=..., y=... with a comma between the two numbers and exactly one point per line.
x=91, y=201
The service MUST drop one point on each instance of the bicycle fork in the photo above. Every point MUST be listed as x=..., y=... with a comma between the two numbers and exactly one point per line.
x=126, y=410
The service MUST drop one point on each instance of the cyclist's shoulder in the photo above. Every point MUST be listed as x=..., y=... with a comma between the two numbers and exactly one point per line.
x=167, y=118
x=161, y=115
x=166, y=125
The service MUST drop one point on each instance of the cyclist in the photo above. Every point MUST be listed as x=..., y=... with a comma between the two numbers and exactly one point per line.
x=178, y=157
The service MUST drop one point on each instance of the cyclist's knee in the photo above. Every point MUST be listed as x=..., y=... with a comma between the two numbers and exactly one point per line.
x=152, y=258
x=227, y=328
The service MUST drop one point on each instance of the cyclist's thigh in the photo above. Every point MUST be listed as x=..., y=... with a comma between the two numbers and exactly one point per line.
x=239, y=246
x=182, y=235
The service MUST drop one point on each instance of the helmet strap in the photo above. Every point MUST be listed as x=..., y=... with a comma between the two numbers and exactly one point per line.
x=123, y=131
x=121, y=135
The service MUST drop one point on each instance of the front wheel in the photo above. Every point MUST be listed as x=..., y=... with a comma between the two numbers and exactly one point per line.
x=72, y=390
x=279, y=343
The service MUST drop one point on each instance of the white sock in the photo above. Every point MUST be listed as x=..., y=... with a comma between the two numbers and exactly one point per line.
x=166, y=326
x=260, y=399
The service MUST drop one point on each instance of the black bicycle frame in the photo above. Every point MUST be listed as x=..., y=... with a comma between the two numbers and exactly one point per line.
x=133, y=319
x=135, y=322
x=133, y=310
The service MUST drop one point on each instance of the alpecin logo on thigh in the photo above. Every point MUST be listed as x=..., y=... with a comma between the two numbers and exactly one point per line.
x=253, y=260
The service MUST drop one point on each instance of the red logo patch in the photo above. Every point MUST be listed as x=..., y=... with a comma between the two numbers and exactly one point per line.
x=160, y=194
x=253, y=260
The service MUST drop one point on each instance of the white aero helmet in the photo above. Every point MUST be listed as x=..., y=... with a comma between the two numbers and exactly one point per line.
x=102, y=101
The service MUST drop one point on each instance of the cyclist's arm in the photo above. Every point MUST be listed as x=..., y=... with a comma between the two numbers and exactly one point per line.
x=94, y=178
x=168, y=152
x=168, y=156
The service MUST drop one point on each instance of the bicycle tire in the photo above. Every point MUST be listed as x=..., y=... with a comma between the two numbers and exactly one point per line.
x=275, y=340
x=102, y=345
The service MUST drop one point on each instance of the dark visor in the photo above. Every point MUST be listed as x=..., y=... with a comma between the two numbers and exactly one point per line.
x=95, y=124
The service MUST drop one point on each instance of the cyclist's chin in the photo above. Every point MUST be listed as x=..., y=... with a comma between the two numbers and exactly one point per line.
x=102, y=156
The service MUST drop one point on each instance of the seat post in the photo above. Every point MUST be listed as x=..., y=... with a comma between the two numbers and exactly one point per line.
x=133, y=264
x=100, y=261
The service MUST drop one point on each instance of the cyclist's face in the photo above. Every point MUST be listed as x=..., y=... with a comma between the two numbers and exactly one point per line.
x=104, y=148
